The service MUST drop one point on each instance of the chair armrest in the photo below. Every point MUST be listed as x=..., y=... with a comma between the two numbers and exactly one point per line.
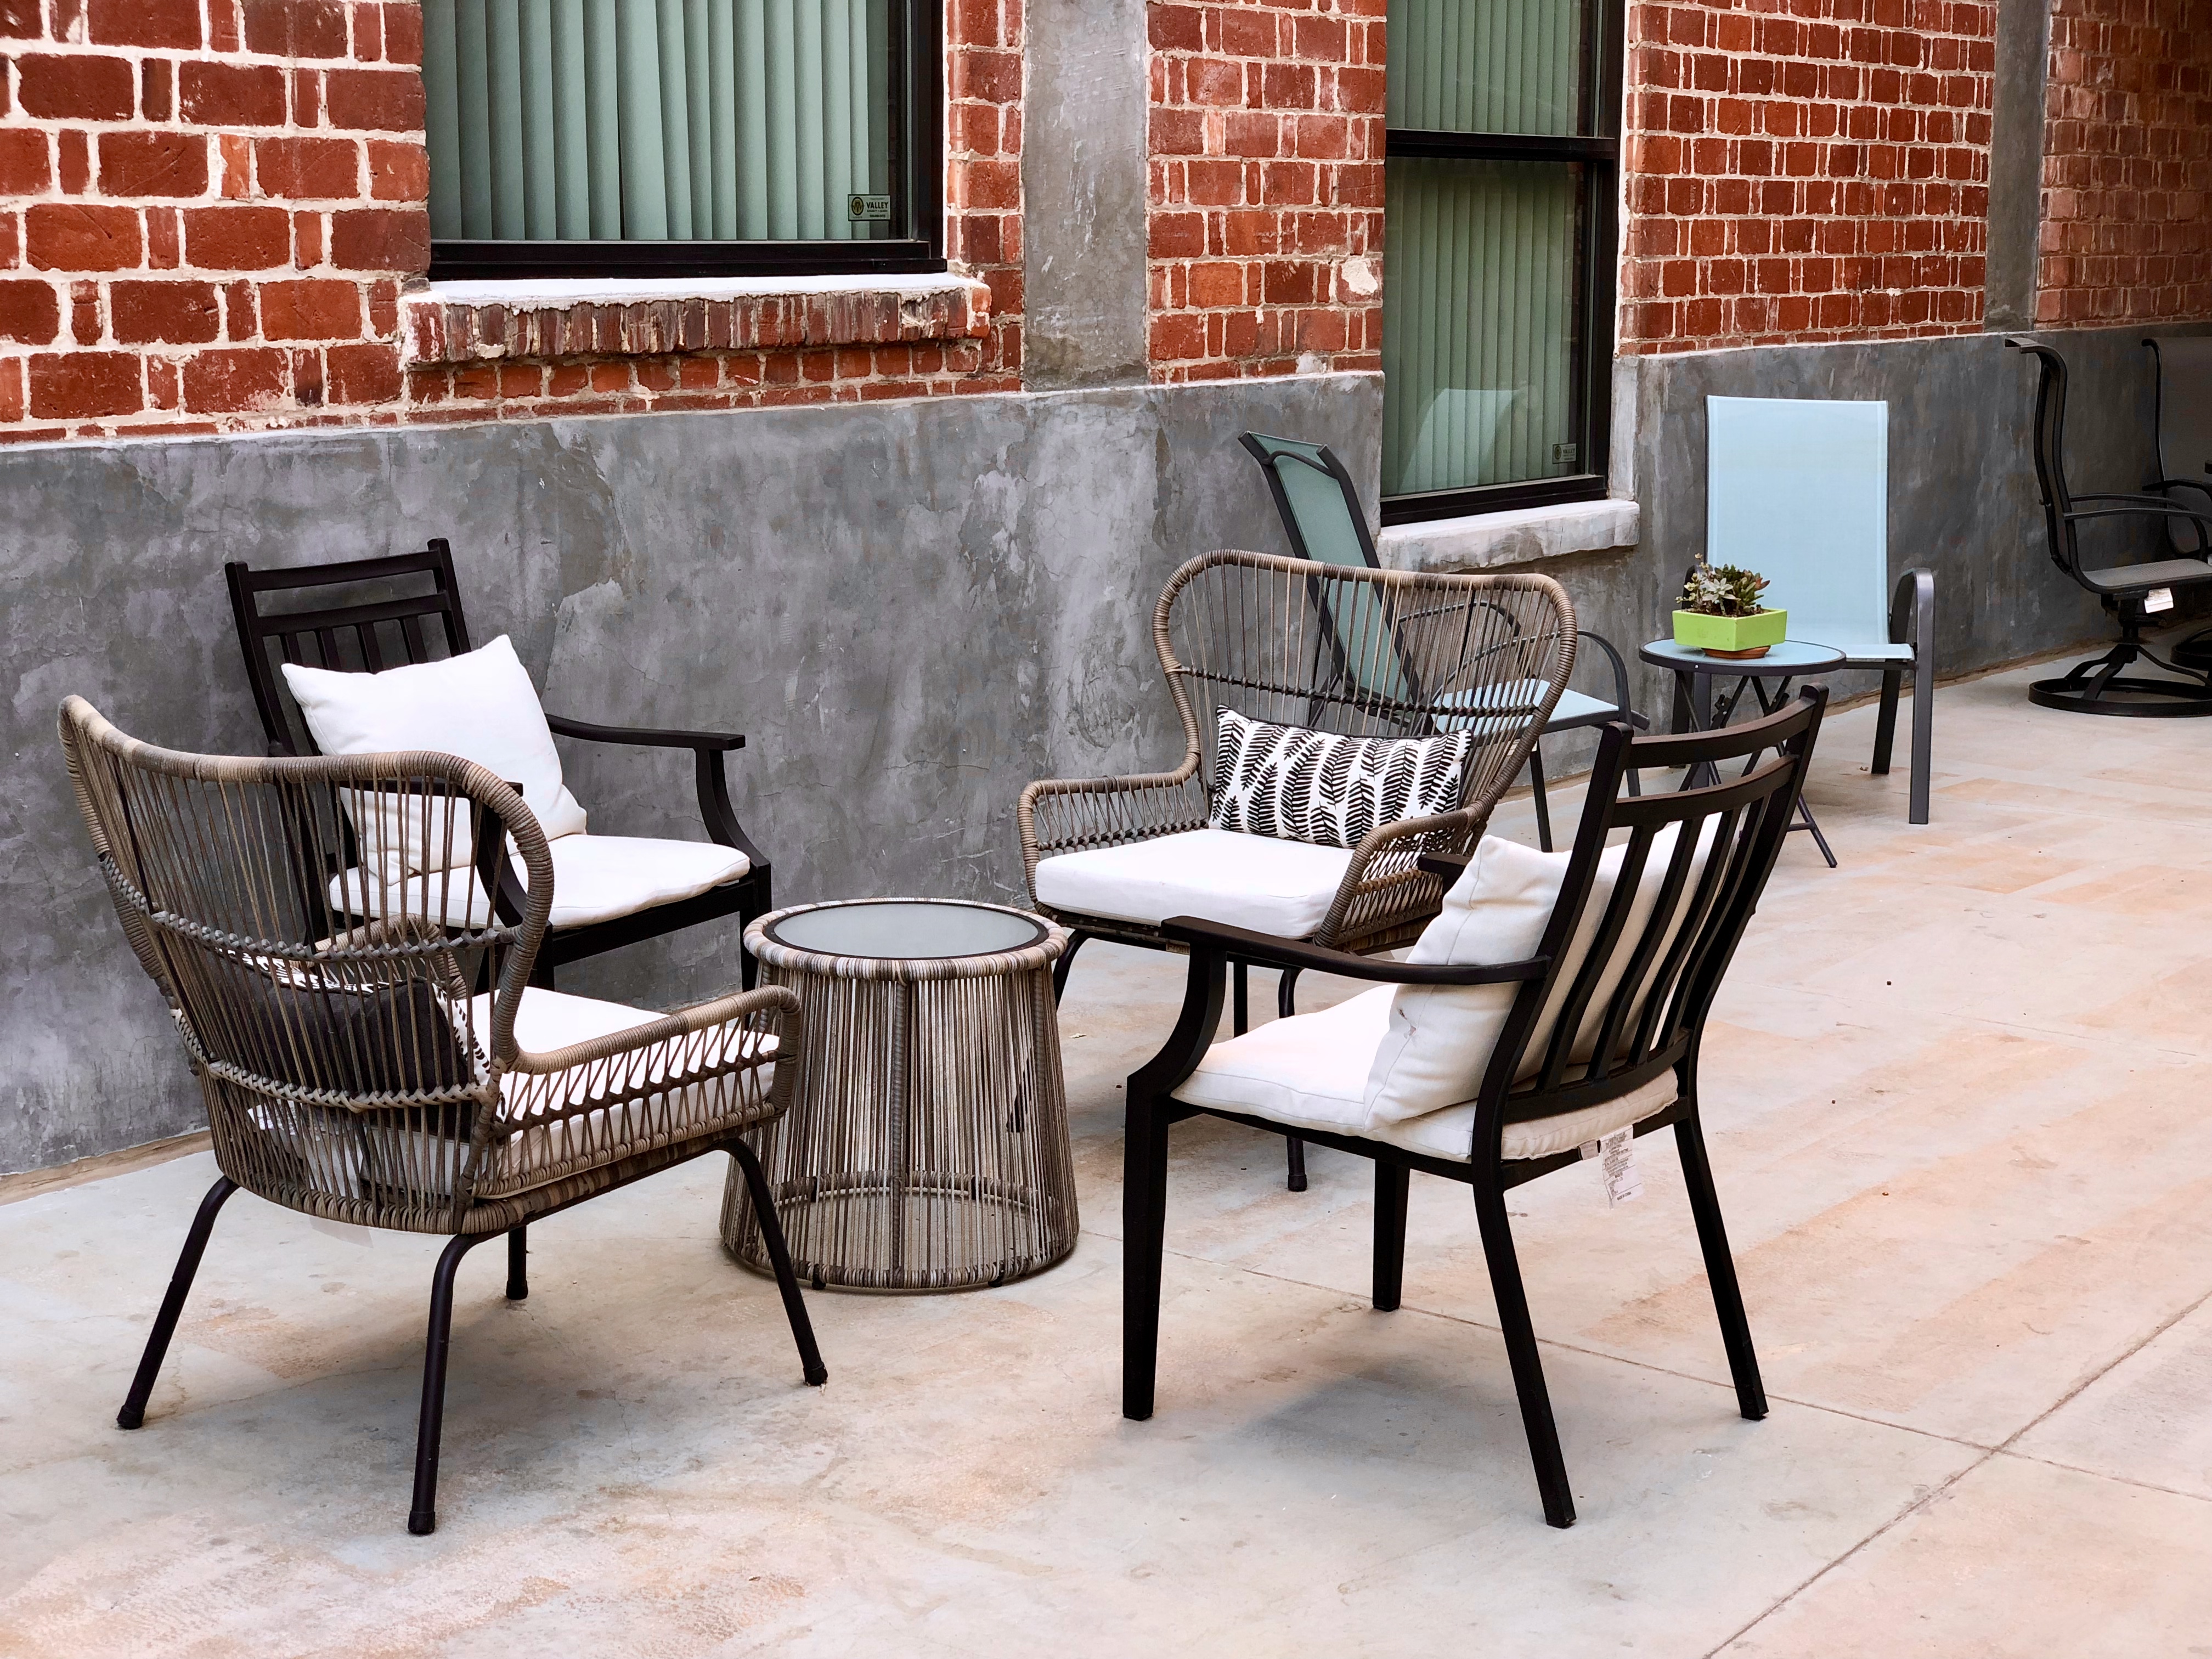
x=710, y=776
x=1447, y=868
x=1068, y=815
x=1620, y=699
x=724, y=1010
x=1912, y=610
x=1269, y=950
x=642, y=737
x=2202, y=485
x=1385, y=881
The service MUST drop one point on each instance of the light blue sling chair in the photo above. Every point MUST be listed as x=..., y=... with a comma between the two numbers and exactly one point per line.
x=1798, y=491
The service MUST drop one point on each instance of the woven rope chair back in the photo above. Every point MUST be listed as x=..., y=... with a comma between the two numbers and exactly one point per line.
x=325, y=994
x=1382, y=654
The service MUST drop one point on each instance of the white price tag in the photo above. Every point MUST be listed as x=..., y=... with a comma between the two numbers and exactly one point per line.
x=2159, y=599
x=1616, y=1165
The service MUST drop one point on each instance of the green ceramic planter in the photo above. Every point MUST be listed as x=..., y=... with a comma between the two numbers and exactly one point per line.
x=1699, y=632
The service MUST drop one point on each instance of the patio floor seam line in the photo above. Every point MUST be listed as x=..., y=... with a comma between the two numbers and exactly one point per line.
x=2004, y=1450
x=1792, y=1595
x=2103, y=1371
x=2105, y=1474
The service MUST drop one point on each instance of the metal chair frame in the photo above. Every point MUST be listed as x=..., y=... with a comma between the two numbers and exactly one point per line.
x=1631, y=1050
x=371, y=635
x=2097, y=686
x=1362, y=650
x=354, y=1077
x=1273, y=453
x=2196, y=651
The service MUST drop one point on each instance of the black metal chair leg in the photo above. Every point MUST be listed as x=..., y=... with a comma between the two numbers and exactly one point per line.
x=1543, y=804
x=423, y=1517
x=172, y=1304
x=1075, y=942
x=1720, y=1269
x=1521, y=1351
x=1143, y=1234
x=779, y=1256
x=1884, y=721
x=1286, y=1004
x=518, y=1263
x=1240, y=1013
x=1391, y=1181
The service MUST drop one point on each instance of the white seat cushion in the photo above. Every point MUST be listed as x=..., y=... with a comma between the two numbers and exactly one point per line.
x=595, y=879
x=1310, y=1072
x=479, y=705
x=1270, y=886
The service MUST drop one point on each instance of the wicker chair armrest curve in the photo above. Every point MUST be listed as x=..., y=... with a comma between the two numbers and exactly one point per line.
x=1267, y=949
x=725, y=1010
x=1078, y=813
x=1385, y=877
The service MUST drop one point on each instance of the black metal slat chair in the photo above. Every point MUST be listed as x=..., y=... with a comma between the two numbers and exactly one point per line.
x=2097, y=686
x=1626, y=1018
x=388, y=629
x=2184, y=424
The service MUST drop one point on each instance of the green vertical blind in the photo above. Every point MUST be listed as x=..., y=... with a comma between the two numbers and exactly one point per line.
x=654, y=120
x=1478, y=322
x=1488, y=66
x=1483, y=253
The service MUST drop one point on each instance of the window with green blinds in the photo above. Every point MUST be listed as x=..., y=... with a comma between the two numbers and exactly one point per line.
x=679, y=135
x=1498, y=250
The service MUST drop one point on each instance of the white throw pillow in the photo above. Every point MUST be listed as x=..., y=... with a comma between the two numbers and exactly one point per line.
x=479, y=705
x=1442, y=1036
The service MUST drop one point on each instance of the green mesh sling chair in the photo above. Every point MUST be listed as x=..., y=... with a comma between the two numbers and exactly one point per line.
x=1320, y=513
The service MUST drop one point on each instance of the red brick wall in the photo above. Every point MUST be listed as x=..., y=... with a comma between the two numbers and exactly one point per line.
x=1266, y=162
x=2127, y=166
x=209, y=211
x=1803, y=170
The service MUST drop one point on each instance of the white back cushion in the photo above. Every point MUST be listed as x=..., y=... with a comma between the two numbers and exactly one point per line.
x=479, y=705
x=1441, y=1037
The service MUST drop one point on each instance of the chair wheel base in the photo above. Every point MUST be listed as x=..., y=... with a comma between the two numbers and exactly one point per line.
x=2162, y=699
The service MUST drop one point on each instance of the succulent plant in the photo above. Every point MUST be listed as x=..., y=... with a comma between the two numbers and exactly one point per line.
x=1723, y=590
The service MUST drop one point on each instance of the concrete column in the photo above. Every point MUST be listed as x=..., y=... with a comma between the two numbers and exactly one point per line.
x=2015, y=224
x=1084, y=193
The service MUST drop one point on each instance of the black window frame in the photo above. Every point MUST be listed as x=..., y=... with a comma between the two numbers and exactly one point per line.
x=917, y=82
x=1597, y=261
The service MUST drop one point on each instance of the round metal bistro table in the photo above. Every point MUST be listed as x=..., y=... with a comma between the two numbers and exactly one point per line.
x=926, y=1147
x=1695, y=708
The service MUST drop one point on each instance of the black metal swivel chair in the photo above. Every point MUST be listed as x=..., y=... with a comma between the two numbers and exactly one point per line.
x=1320, y=511
x=388, y=620
x=2185, y=457
x=2097, y=686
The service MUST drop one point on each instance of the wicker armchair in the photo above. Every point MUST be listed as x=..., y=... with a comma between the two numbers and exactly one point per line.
x=399, y=1074
x=1365, y=652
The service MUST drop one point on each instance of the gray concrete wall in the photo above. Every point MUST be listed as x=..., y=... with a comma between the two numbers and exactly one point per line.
x=911, y=609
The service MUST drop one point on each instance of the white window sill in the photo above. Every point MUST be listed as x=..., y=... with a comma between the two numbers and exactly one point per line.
x=535, y=292
x=1524, y=535
x=549, y=318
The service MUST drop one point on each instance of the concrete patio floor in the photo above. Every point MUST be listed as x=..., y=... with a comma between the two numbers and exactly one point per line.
x=1960, y=1098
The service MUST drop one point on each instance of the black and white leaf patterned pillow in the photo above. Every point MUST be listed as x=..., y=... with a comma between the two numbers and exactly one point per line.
x=1296, y=784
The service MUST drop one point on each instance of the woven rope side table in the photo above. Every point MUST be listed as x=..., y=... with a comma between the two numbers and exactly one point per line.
x=926, y=1147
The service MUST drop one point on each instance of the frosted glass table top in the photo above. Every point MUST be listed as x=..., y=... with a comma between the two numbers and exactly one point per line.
x=908, y=929
x=1791, y=657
